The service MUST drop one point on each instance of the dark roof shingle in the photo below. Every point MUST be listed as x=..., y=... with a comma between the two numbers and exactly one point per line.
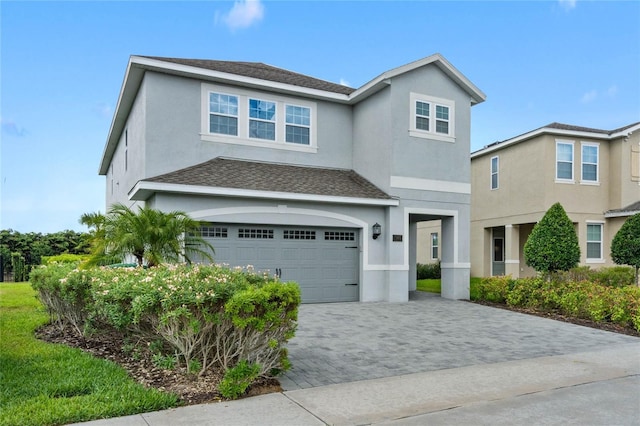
x=631, y=208
x=227, y=173
x=261, y=71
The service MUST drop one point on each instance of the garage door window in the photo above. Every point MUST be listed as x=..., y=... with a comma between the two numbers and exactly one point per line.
x=213, y=232
x=299, y=234
x=255, y=233
x=339, y=236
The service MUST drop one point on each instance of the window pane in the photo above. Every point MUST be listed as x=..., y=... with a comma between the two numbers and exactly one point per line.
x=494, y=181
x=594, y=233
x=223, y=125
x=263, y=110
x=590, y=172
x=442, y=112
x=262, y=130
x=565, y=170
x=223, y=104
x=298, y=115
x=299, y=135
x=564, y=152
x=590, y=154
x=442, y=127
x=593, y=251
x=494, y=165
x=422, y=123
x=422, y=108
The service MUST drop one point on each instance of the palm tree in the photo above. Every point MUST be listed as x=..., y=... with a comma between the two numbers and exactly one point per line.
x=149, y=235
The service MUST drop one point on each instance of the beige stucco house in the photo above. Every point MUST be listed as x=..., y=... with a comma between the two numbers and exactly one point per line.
x=594, y=174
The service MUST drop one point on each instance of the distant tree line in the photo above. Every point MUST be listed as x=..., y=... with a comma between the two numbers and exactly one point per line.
x=20, y=252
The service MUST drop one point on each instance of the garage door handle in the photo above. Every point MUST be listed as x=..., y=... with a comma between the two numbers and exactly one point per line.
x=351, y=247
x=352, y=284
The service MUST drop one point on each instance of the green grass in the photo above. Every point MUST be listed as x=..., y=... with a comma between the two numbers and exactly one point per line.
x=433, y=286
x=47, y=384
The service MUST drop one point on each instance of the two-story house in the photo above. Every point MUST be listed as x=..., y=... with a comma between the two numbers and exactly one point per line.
x=594, y=174
x=316, y=182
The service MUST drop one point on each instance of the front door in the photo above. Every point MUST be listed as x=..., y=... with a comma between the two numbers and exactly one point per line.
x=497, y=261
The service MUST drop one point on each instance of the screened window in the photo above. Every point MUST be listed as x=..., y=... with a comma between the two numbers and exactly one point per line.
x=594, y=241
x=223, y=114
x=434, y=245
x=298, y=125
x=262, y=119
x=590, y=163
x=564, y=161
x=494, y=172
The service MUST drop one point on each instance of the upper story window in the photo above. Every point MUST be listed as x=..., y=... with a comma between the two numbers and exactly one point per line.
x=245, y=117
x=298, y=127
x=262, y=119
x=432, y=118
x=494, y=172
x=564, y=161
x=223, y=114
x=590, y=161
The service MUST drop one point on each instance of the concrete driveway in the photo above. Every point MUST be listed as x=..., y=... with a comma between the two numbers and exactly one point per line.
x=347, y=342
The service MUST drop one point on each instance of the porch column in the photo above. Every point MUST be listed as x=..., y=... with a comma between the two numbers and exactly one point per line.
x=512, y=250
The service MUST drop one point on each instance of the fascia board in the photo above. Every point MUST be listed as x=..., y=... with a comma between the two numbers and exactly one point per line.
x=625, y=132
x=142, y=190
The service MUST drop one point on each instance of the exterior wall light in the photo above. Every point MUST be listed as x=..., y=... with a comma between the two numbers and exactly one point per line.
x=377, y=230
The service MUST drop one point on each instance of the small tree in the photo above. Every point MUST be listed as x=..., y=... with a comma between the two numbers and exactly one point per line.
x=553, y=243
x=625, y=247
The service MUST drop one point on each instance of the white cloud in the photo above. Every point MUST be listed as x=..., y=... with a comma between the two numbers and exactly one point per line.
x=243, y=14
x=612, y=91
x=590, y=96
x=345, y=82
x=11, y=128
x=568, y=4
x=103, y=110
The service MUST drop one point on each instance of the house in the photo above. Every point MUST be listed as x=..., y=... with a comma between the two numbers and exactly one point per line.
x=593, y=173
x=316, y=182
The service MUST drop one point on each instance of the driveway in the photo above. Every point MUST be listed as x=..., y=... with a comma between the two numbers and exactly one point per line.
x=347, y=342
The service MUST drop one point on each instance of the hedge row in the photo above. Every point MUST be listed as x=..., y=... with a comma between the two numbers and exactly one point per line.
x=210, y=316
x=579, y=299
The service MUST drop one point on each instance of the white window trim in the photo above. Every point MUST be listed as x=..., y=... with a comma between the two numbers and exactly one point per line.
x=243, y=119
x=431, y=134
x=573, y=161
x=497, y=173
x=601, y=259
x=590, y=182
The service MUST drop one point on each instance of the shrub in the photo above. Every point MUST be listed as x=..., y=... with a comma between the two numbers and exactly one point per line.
x=494, y=289
x=553, y=243
x=430, y=271
x=616, y=276
x=75, y=259
x=625, y=246
x=237, y=379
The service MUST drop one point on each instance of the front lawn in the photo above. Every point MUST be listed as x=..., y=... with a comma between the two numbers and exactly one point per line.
x=47, y=384
x=433, y=286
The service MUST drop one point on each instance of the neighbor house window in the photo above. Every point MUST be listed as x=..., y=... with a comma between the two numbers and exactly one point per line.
x=298, y=125
x=564, y=161
x=434, y=246
x=432, y=118
x=590, y=154
x=223, y=114
x=262, y=119
x=594, y=241
x=494, y=172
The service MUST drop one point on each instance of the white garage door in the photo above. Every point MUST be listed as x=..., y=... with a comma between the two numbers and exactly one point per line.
x=323, y=261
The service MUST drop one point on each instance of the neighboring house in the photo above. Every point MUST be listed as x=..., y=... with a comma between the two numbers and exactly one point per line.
x=594, y=174
x=314, y=181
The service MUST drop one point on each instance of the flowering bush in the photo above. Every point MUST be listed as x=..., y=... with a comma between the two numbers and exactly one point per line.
x=208, y=315
x=579, y=299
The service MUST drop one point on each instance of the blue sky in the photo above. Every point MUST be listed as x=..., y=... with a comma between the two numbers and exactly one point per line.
x=62, y=65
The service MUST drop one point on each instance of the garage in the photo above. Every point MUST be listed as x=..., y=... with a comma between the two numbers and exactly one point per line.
x=323, y=261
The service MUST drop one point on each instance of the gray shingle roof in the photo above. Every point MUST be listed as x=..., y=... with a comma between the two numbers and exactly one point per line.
x=227, y=173
x=631, y=208
x=562, y=126
x=261, y=71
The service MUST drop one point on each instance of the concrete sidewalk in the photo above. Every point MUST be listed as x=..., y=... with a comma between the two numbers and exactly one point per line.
x=600, y=387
